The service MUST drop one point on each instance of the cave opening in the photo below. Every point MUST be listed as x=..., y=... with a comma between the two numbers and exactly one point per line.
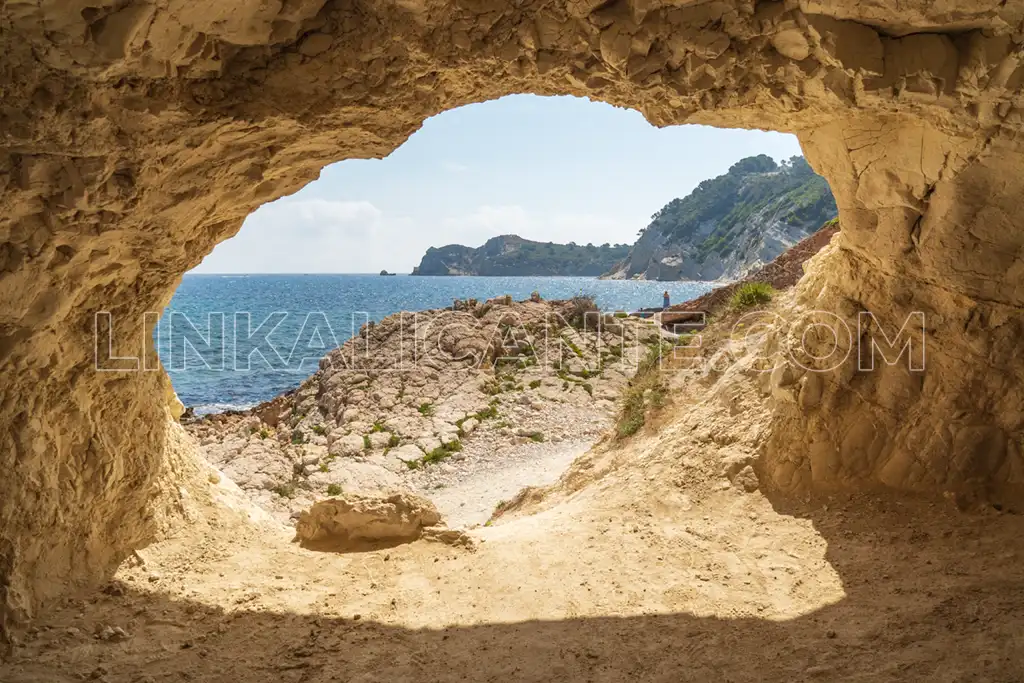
x=138, y=137
x=551, y=192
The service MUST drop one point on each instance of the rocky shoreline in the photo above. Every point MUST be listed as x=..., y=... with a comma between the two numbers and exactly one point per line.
x=422, y=401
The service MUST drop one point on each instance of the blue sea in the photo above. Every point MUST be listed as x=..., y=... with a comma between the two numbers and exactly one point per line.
x=242, y=339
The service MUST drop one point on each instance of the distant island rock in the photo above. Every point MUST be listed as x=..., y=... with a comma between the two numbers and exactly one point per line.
x=385, y=273
x=513, y=255
x=732, y=224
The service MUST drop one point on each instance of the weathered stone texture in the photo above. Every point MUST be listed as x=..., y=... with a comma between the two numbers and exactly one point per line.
x=135, y=136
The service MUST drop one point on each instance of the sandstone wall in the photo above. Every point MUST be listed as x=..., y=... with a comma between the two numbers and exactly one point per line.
x=134, y=136
x=930, y=244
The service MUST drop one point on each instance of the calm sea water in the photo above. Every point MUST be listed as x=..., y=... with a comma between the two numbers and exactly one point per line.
x=215, y=322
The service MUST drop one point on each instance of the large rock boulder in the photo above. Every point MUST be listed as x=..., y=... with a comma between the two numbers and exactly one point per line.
x=354, y=521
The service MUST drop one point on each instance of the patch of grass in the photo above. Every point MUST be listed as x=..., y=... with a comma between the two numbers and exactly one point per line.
x=367, y=444
x=394, y=441
x=621, y=314
x=645, y=391
x=285, y=490
x=685, y=338
x=491, y=411
x=588, y=387
x=324, y=467
x=441, y=452
x=298, y=437
x=535, y=383
x=536, y=436
x=751, y=294
x=377, y=427
x=426, y=409
x=334, y=489
x=319, y=430
x=572, y=345
x=264, y=433
x=436, y=455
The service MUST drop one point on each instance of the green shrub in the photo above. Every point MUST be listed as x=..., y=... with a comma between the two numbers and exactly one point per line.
x=285, y=490
x=536, y=436
x=751, y=294
x=534, y=384
x=298, y=437
x=487, y=413
x=394, y=441
x=441, y=452
x=264, y=433
x=334, y=489
x=426, y=409
x=436, y=455
x=324, y=467
x=367, y=444
x=319, y=430
x=645, y=390
x=377, y=427
x=582, y=304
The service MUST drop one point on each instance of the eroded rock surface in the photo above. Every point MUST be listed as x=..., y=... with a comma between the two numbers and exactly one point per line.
x=408, y=398
x=135, y=136
x=355, y=520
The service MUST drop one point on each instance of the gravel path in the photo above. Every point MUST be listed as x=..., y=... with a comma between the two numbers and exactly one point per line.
x=467, y=490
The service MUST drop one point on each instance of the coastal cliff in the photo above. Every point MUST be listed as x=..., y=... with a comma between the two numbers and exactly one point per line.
x=732, y=224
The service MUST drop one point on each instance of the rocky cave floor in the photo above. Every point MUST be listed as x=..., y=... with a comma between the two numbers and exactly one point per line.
x=651, y=559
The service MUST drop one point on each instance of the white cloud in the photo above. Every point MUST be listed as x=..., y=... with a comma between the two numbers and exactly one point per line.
x=325, y=236
x=490, y=221
x=326, y=210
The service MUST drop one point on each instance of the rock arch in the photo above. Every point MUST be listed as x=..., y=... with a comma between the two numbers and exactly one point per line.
x=136, y=135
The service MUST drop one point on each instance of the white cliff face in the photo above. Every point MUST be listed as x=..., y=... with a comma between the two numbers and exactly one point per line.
x=732, y=224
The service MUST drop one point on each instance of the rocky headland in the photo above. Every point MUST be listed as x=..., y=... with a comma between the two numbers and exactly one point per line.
x=731, y=225
x=516, y=256
x=423, y=400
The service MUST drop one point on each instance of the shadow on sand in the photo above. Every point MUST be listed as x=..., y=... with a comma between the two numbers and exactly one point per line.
x=931, y=595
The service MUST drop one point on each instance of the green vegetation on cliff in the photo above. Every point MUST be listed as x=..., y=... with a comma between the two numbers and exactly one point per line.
x=513, y=255
x=792, y=189
x=748, y=215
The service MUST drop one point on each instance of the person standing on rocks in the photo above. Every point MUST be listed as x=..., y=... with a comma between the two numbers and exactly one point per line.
x=664, y=300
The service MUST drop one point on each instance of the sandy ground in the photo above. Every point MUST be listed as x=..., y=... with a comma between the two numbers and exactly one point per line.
x=728, y=588
x=468, y=492
x=645, y=562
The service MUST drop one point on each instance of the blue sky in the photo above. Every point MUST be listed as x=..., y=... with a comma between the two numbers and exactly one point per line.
x=555, y=169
